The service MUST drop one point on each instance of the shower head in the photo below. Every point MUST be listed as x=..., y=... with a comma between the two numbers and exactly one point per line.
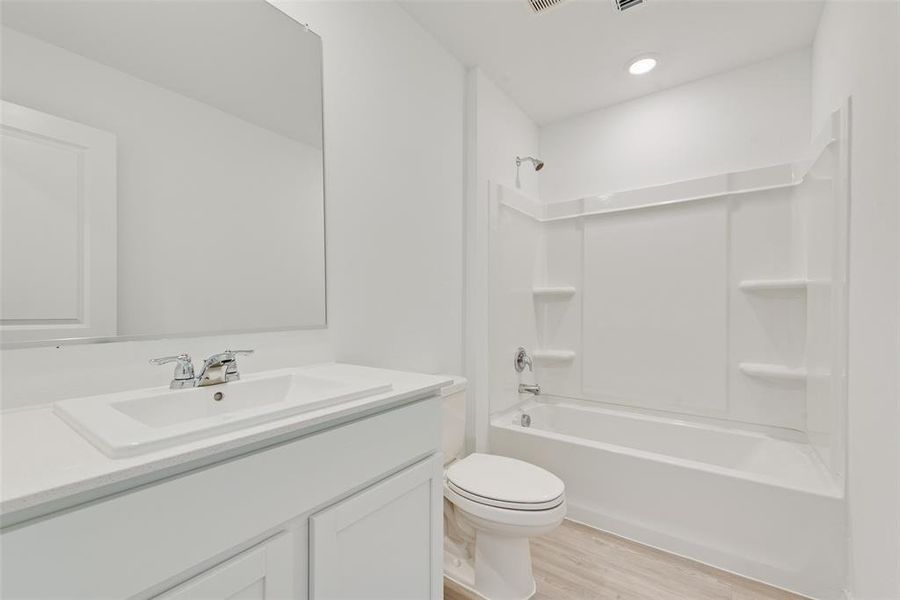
x=538, y=163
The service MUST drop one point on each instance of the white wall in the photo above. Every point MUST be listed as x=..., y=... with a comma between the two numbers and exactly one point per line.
x=496, y=132
x=857, y=53
x=394, y=182
x=504, y=132
x=394, y=217
x=750, y=117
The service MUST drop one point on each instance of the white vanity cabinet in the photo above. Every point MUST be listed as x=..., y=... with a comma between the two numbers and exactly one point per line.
x=353, y=511
x=264, y=572
x=380, y=543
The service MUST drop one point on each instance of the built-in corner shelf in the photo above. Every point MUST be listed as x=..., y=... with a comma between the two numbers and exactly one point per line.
x=559, y=292
x=550, y=357
x=771, y=285
x=775, y=372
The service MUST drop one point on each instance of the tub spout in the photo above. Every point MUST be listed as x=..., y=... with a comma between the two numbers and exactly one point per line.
x=525, y=388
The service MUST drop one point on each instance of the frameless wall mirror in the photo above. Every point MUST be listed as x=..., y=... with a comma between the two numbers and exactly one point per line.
x=162, y=170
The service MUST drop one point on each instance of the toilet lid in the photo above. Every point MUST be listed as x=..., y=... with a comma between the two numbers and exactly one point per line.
x=497, y=479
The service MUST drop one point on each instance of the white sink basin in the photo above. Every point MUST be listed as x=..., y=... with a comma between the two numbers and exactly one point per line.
x=136, y=422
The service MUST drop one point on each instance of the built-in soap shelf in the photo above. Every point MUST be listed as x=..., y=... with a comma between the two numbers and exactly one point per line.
x=558, y=292
x=774, y=285
x=551, y=357
x=773, y=371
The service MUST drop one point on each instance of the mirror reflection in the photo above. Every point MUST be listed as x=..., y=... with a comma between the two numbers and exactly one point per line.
x=162, y=170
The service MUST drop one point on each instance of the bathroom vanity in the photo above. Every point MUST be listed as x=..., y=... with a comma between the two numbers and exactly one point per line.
x=203, y=192
x=341, y=501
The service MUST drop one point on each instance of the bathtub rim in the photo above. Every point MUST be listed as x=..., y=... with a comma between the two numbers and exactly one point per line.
x=829, y=489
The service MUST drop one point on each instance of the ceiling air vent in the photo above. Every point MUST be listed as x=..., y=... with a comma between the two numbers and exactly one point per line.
x=539, y=6
x=626, y=4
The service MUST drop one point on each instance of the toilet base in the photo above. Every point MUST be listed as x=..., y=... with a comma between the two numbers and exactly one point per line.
x=490, y=559
x=503, y=567
x=460, y=569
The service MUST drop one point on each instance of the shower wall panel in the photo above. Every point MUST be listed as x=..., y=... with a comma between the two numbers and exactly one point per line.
x=655, y=308
x=517, y=260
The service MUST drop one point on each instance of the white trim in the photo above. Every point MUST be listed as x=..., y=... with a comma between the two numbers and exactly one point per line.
x=478, y=209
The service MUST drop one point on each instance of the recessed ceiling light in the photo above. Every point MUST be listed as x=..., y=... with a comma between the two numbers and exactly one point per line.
x=642, y=65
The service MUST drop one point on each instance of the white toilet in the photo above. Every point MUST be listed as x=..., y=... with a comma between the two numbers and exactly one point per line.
x=492, y=506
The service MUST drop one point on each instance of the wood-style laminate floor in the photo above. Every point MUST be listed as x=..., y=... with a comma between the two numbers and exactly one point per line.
x=576, y=562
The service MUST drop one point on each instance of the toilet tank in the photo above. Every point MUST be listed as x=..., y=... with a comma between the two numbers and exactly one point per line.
x=453, y=397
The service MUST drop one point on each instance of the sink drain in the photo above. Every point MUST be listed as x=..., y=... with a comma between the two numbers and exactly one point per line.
x=218, y=396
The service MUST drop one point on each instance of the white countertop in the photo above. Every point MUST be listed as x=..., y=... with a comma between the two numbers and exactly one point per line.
x=48, y=466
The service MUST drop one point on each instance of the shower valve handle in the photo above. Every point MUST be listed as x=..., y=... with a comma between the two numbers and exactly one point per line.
x=522, y=360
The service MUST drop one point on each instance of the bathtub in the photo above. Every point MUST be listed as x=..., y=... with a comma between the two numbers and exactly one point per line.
x=748, y=502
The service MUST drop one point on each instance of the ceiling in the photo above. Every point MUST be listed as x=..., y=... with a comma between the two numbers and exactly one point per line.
x=572, y=58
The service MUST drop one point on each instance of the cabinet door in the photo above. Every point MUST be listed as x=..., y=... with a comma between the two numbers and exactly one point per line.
x=384, y=542
x=265, y=572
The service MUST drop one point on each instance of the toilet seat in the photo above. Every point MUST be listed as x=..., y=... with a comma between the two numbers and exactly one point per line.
x=505, y=483
x=504, y=504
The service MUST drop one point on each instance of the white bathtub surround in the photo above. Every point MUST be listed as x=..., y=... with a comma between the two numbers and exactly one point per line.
x=719, y=297
x=718, y=303
x=743, y=501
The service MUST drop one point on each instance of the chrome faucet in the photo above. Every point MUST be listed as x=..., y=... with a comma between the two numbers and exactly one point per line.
x=526, y=388
x=521, y=361
x=184, y=370
x=218, y=368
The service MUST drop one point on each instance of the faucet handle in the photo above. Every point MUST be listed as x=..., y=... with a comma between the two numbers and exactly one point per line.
x=184, y=368
x=231, y=357
x=180, y=358
x=522, y=360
